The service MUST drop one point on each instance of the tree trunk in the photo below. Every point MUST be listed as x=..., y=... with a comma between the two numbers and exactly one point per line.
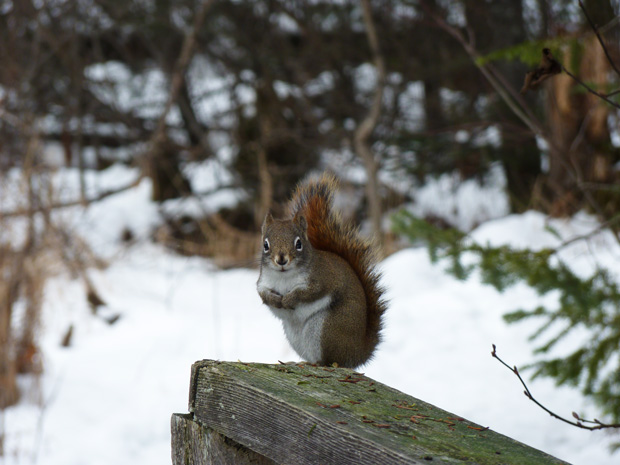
x=580, y=156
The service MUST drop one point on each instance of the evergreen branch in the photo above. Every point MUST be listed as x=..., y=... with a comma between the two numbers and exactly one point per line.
x=579, y=423
x=598, y=36
x=592, y=303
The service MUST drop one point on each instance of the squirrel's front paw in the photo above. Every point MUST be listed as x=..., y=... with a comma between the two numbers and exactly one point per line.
x=289, y=301
x=272, y=298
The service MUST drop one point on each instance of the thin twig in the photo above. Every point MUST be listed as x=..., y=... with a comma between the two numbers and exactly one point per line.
x=73, y=203
x=604, y=225
x=518, y=107
x=517, y=96
x=514, y=105
x=600, y=39
x=185, y=56
x=589, y=89
x=579, y=423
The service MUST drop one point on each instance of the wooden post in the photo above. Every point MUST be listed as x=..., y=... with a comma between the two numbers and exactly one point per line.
x=256, y=413
x=194, y=444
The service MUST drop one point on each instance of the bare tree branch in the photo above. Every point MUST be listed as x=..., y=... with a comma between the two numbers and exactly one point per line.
x=604, y=225
x=579, y=423
x=45, y=208
x=182, y=63
x=589, y=89
x=517, y=105
x=598, y=36
x=367, y=126
x=501, y=90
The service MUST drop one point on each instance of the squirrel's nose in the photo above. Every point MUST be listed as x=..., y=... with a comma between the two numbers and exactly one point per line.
x=281, y=260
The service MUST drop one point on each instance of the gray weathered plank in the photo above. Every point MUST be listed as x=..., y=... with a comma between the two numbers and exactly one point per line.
x=194, y=444
x=307, y=415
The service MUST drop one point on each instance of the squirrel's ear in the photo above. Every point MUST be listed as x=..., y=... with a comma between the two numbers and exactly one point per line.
x=300, y=220
x=267, y=222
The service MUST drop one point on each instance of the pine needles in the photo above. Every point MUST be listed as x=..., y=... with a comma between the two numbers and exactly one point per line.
x=591, y=304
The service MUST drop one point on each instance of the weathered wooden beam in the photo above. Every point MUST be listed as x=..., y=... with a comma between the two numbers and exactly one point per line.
x=195, y=444
x=307, y=415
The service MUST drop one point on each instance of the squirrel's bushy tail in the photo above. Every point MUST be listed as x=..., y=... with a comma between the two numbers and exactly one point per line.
x=326, y=231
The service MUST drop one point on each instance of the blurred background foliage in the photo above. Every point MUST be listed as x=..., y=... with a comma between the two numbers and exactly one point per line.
x=283, y=84
x=273, y=89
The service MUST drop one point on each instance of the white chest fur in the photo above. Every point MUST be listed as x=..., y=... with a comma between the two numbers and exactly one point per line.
x=281, y=282
x=303, y=325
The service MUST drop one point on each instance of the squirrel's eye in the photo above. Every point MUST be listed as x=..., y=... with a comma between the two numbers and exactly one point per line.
x=298, y=245
x=266, y=245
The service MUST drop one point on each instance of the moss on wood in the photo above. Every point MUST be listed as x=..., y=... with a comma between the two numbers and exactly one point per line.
x=306, y=414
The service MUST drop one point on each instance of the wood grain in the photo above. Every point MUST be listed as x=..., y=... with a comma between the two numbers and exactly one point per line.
x=300, y=414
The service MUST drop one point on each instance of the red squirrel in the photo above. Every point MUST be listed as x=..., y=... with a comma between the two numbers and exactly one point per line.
x=319, y=276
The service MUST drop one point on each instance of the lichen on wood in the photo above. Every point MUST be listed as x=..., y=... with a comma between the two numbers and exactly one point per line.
x=305, y=414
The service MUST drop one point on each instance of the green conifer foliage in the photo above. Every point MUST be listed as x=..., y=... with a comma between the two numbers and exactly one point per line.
x=591, y=303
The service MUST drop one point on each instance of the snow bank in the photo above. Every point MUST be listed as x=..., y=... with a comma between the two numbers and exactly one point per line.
x=108, y=398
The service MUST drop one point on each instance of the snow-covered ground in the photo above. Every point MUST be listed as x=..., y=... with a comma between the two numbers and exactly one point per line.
x=108, y=398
